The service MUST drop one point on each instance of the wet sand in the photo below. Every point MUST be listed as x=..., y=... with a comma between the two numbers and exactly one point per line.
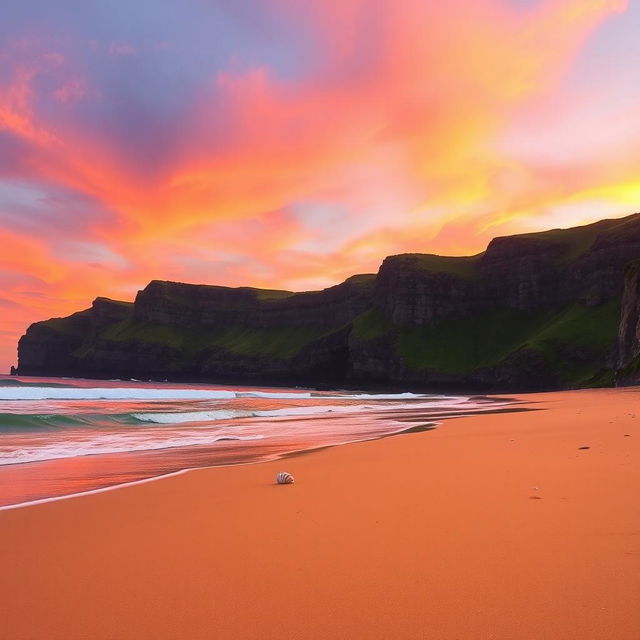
x=490, y=527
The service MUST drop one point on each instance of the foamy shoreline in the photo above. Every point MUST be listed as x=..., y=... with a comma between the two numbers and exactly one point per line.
x=267, y=458
x=57, y=441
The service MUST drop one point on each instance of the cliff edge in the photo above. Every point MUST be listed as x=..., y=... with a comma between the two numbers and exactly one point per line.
x=534, y=311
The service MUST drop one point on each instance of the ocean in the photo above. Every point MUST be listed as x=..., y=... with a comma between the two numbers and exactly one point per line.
x=61, y=436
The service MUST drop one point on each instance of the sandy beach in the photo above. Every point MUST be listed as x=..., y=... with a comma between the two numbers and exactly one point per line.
x=489, y=527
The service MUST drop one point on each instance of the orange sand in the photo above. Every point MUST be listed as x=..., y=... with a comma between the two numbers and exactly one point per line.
x=433, y=535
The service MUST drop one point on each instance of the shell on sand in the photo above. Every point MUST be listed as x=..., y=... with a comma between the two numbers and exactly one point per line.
x=284, y=478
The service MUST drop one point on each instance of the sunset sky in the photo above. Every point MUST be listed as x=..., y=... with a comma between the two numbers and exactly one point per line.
x=292, y=143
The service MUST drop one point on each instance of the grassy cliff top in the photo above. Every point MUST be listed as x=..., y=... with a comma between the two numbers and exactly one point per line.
x=578, y=240
x=67, y=325
x=463, y=266
x=121, y=303
x=571, y=243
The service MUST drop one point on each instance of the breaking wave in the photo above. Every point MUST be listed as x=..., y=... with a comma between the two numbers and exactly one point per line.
x=229, y=414
x=126, y=393
x=24, y=392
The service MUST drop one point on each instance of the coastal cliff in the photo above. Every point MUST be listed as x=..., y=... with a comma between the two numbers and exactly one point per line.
x=534, y=311
x=628, y=353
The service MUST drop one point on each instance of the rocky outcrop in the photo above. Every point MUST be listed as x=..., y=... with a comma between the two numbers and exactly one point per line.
x=533, y=311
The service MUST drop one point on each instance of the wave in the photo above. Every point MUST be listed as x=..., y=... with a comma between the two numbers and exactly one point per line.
x=54, y=392
x=131, y=393
x=19, y=423
x=271, y=394
x=383, y=396
x=192, y=416
x=114, y=444
x=16, y=422
x=230, y=414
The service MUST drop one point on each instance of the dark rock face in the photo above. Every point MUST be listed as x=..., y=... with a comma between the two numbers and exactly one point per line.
x=106, y=312
x=528, y=272
x=409, y=294
x=628, y=352
x=209, y=306
x=533, y=311
x=189, y=304
x=522, y=272
x=152, y=336
x=46, y=348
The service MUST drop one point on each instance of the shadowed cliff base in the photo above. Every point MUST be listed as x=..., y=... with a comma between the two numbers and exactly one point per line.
x=534, y=311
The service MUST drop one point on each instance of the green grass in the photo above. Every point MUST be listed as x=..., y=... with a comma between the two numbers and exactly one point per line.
x=578, y=240
x=574, y=341
x=134, y=330
x=120, y=303
x=363, y=281
x=281, y=342
x=582, y=327
x=267, y=295
x=70, y=324
x=183, y=296
x=463, y=343
x=462, y=266
x=370, y=325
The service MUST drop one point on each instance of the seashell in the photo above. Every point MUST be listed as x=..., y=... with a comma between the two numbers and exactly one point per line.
x=284, y=478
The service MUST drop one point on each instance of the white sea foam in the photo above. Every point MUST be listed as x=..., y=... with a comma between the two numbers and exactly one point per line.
x=230, y=414
x=308, y=411
x=385, y=396
x=169, y=393
x=192, y=416
x=132, y=393
x=271, y=394
x=428, y=398
x=113, y=444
